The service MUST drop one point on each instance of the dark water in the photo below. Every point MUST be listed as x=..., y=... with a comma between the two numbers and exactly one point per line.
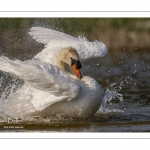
x=131, y=69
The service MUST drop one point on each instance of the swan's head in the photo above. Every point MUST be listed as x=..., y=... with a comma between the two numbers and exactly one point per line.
x=71, y=57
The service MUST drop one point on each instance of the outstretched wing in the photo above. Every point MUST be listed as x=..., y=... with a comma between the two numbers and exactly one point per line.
x=55, y=41
x=45, y=35
x=42, y=76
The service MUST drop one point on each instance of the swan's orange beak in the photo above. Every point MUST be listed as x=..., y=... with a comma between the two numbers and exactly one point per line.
x=77, y=71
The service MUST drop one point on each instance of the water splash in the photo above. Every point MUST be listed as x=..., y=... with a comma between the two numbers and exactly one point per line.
x=8, y=86
x=111, y=93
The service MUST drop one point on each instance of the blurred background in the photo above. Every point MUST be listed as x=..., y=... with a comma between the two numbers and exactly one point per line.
x=119, y=34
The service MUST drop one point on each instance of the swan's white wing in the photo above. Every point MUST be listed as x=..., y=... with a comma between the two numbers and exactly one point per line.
x=42, y=76
x=55, y=41
x=45, y=35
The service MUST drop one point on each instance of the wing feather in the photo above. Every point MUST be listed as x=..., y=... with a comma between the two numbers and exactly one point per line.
x=55, y=41
x=42, y=76
x=45, y=35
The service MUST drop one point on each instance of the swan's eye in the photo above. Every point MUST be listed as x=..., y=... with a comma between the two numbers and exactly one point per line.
x=76, y=62
x=72, y=61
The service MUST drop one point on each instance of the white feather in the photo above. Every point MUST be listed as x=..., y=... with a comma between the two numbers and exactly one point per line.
x=42, y=76
x=55, y=41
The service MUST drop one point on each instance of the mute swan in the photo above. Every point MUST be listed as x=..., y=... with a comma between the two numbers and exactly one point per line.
x=50, y=87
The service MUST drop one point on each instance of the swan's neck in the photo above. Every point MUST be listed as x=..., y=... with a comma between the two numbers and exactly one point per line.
x=62, y=61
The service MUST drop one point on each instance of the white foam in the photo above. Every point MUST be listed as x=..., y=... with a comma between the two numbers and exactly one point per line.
x=110, y=94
